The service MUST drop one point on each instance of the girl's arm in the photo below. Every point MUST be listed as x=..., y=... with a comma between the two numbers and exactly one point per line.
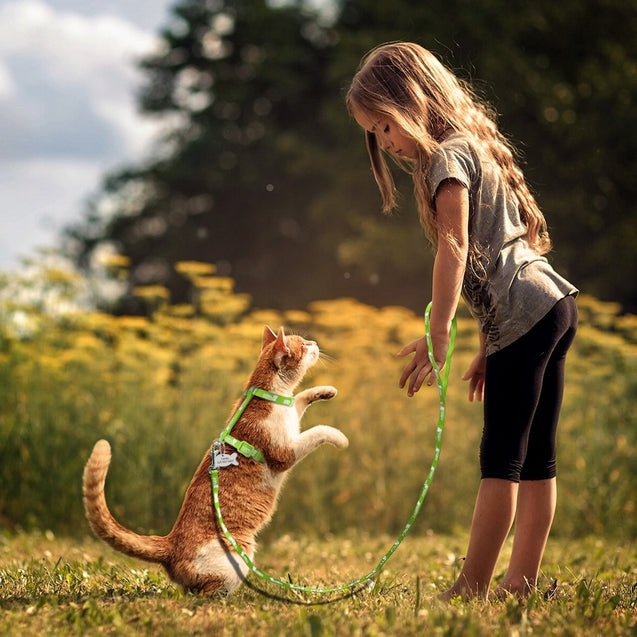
x=477, y=371
x=452, y=214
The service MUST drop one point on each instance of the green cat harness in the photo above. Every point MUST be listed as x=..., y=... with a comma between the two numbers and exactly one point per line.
x=220, y=459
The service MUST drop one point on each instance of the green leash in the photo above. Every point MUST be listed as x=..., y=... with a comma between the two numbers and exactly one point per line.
x=442, y=381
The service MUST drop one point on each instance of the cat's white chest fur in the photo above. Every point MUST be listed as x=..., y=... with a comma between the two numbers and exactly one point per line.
x=284, y=425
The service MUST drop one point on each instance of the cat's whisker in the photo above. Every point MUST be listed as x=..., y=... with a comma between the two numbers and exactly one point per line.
x=323, y=357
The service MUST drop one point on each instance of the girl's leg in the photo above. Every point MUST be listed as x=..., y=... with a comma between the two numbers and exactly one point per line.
x=515, y=381
x=535, y=510
x=492, y=519
x=537, y=494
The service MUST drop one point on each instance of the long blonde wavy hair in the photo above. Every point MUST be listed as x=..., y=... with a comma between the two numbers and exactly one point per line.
x=406, y=83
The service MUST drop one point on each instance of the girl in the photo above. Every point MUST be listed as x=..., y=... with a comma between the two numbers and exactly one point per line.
x=490, y=238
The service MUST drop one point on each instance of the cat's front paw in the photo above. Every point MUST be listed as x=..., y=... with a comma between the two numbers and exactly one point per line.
x=339, y=439
x=325, y=392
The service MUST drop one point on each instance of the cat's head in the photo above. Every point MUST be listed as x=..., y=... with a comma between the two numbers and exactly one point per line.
x=290, y=355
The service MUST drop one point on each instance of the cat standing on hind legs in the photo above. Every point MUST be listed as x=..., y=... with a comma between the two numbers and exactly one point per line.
x=195, y=553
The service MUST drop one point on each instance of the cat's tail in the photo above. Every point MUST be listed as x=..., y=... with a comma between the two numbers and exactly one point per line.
x=151, y=548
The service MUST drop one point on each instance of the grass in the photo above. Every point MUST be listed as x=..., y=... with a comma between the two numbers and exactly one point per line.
x=51, y=586
x=160, y=387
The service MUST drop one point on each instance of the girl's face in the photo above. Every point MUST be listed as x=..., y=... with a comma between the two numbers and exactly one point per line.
x=390, y=136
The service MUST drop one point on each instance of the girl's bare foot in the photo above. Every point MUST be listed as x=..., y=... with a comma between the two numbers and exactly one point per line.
x=448, y=595
x=520, y=590
x=463, y=592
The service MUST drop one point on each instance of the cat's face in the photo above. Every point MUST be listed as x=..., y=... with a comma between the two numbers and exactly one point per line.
x=291, y=355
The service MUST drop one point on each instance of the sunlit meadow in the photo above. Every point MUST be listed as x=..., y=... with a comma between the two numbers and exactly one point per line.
x=160, y=389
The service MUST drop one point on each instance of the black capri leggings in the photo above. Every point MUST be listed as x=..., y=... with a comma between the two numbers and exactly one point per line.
x=524, y=385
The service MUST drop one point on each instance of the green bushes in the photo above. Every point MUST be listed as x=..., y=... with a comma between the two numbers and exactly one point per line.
x=161, y=389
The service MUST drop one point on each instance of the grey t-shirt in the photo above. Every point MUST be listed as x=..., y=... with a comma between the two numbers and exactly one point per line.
x=510, y=287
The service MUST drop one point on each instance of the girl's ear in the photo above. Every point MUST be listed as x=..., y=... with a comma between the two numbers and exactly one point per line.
x=281, y=343
x=268, y=336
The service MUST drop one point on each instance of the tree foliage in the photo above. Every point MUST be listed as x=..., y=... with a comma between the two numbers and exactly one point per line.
x=265, y=174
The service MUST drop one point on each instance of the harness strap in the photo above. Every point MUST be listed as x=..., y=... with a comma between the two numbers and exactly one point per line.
x=243, y=447
x=287, y=401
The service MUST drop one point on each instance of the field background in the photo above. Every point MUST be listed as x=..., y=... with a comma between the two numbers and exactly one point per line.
x=160, y=390
x=51, y=585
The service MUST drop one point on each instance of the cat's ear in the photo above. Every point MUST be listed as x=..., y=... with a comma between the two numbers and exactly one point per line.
x=281, y=345
x=268, y=336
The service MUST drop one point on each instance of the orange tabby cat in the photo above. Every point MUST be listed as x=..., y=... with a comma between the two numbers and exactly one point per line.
x=195, y=554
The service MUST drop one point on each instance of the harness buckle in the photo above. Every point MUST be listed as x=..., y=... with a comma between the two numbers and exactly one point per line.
x=244, y=448
x=215, y=450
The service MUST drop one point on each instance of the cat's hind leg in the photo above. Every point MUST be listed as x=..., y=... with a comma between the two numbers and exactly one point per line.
x=308, y=441
x=213, y=585
x=216, y=566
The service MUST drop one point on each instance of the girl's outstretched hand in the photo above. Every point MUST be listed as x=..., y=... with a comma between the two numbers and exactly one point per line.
x=419, y=369
x=475, y=375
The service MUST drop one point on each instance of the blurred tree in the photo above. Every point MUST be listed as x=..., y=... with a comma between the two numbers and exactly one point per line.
x=563, y=77
x=265, y=174
x=243, y=83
